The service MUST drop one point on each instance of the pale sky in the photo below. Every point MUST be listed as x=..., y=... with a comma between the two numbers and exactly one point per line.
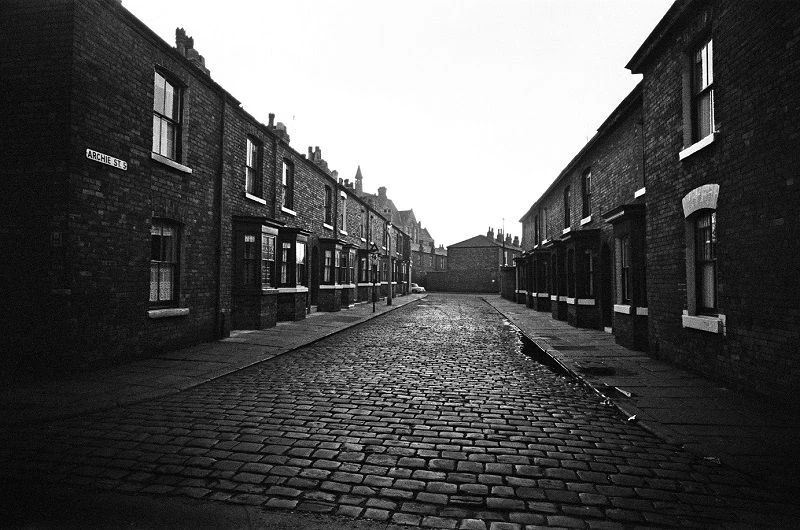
x=465, y=110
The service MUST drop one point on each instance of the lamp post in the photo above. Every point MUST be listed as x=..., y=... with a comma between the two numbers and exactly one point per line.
x=391, y=270
x=373, y=253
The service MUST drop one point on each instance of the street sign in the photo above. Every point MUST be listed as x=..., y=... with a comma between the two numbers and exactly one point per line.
x=91, y=154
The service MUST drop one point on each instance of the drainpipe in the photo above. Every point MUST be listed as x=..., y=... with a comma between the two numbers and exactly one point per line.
x=220, y=320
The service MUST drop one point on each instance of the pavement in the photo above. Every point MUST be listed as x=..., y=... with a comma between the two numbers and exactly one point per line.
x=26, y=402
x=746, y=432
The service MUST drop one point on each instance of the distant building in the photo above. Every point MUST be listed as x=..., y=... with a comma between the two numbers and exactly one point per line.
x=474, y=265
x=425, y=256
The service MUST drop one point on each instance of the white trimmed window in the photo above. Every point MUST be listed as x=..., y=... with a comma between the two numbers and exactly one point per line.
x=702, y=91
x=327, y=269
x=287, y=182
x=586, y=193
x=624, y=270
x=328, y=205
x=166, y=118
x=252, y=180
x=343, y=212
x=705, y=261
x=163, y=263
x=267, y=260
x=300, y=263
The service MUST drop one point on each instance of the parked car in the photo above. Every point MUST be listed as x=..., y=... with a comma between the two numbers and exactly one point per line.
x=416, y=288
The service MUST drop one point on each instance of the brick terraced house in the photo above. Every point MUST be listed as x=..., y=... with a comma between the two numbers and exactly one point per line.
x=568, y=267
x=425, y=256
x=145, y=209
x=698, y=263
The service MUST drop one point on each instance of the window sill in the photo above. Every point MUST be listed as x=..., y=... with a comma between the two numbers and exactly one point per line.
x=343, y=232
x=255, y=198
x=586, y=301
x=284, y=209
x=586, y=220
x=638, y=193
x=542, y=295
x=363, y=240
x=567, y=230
x=168, y=313
x=171, y=163
x=707, y=323
x=335, y=286
x=327, y=226
x=641, y=311
x=697, y=146
x=300, y=289
x=622, y=308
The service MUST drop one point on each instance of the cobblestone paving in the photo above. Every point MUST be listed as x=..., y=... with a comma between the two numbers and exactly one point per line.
x=429, y=416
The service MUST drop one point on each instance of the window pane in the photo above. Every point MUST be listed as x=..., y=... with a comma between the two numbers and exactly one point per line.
x=706, y=286
x=267, y=247
x=158, y=94
x=697, y=75
x=709, y=63
x=170, y=102
x=168, y=246
x=156, y=134
x=164, y=141
x=703, y=115
x=165, y=282
x=250, y=180
x=154, y=282
x=251, y=154
x=172, y=140
x=155, y=247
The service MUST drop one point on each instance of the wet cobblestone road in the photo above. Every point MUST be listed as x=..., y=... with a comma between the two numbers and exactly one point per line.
x=429, y=416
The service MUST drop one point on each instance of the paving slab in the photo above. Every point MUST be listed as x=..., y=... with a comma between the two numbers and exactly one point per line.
x=747, y=432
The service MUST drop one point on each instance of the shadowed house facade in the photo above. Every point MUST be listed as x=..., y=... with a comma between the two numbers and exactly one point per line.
x=696, y=251
x=161, y=213
x=474, y=265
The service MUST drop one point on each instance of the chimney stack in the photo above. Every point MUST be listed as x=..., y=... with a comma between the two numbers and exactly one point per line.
x=382, y=192
x=490, y=233
x=280, y=130
x=185, y=46
x=271, y=120
x=516, y=241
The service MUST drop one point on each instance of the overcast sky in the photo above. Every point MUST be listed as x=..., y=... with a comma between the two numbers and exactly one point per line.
x=465, y=110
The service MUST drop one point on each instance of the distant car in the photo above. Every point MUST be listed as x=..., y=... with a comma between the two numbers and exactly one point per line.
x=416, y=288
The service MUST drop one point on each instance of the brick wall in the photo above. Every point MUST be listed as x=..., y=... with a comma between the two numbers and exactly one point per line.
x=473, y=269
x=754, y=159
x=35, y=59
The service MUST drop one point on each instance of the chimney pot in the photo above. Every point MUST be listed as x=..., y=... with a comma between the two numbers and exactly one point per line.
x=271, y=120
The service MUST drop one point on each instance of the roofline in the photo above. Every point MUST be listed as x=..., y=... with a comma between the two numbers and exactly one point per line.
x=621, y=110
x=670, y=18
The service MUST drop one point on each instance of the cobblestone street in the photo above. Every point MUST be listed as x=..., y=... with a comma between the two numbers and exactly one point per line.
x=428, y=416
